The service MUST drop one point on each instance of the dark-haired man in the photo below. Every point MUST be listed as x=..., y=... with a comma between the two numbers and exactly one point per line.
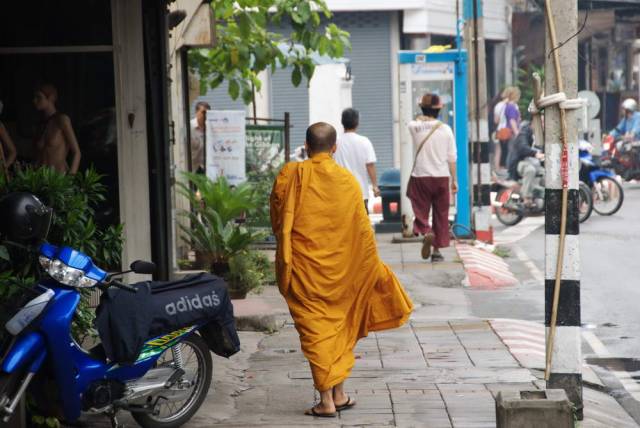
x=355, y=153
x=327, y=267
x=434, y=166
x=198, y=127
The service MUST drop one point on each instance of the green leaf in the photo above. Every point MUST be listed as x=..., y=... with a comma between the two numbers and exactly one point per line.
x=244, y=24
x=304, y=10
x=234, y=89
x=308, y=69
x=296, y=76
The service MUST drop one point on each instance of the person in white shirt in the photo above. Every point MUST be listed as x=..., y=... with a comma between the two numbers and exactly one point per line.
x=198, y=137
x=355, y=153
x=433, y=175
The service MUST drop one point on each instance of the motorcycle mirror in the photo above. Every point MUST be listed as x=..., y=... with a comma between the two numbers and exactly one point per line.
x=142, y=267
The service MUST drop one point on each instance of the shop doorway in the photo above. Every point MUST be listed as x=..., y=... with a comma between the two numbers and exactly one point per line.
x=66, y=44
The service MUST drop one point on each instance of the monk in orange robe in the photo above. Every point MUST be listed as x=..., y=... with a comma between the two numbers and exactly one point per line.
x=328, y=268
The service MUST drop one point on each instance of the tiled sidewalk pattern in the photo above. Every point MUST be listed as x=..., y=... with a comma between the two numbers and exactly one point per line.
x=426, y=374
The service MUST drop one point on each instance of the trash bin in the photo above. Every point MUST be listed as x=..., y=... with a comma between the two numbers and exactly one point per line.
x=389, y=184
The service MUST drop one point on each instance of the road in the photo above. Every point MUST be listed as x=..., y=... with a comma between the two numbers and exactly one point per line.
x=610, y=291
x=610, y=283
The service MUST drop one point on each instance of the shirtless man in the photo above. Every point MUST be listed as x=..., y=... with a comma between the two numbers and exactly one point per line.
x=56, y=139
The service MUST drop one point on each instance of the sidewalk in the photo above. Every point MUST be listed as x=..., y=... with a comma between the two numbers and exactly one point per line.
x=443, y=369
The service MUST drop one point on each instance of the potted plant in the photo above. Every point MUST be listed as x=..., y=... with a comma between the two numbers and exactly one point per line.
x=245, y=274
x=214, y=230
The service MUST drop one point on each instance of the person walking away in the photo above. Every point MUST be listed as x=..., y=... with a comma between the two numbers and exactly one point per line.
x=434, y=172
x=56, y=139
x=198, y=127
x=328, y=268
x=7, y=149
x=355, y=153
x=524, y=163
x=506, y=116
x=629, y=127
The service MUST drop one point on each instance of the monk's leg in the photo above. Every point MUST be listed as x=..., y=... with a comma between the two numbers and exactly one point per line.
x=339, y=396
x=326, y=405
x=341, y=400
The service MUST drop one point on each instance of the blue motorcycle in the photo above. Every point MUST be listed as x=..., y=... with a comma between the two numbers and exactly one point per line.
x=164, y=387
x=606, y=191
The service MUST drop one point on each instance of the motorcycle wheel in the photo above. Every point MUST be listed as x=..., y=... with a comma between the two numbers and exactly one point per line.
x=506, y=216
x=607, y=196
x=198, y=367
x=585, y=202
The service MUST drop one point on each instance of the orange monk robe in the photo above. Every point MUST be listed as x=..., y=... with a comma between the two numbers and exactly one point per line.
x=328, y=268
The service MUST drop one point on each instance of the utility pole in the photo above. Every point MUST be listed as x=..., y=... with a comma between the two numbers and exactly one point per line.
x=561, y=164
x=478, y=125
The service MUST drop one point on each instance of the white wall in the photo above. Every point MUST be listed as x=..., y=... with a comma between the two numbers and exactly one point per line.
x=371, y=5
x=329, y=94
x=439, y=17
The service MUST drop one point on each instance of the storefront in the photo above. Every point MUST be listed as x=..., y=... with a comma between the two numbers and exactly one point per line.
x=106, y=60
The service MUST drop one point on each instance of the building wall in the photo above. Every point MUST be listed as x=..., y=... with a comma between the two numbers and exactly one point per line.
x=372, y=85
x=370, y=59
x=439, y=17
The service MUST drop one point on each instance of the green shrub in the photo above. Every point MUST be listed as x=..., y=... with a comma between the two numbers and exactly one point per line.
x=217, y=205
x=74, y=199
x=246, y=272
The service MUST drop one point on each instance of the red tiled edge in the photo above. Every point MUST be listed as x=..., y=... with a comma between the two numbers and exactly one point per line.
x=484, y=269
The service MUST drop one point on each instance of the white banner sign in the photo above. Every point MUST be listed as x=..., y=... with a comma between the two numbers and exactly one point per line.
x=226, y=143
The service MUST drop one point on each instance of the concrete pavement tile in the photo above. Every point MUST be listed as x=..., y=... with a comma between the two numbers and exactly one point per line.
x=350, y=419
x=368, y=363
x=460, y=387
x=430, y=323
x=421, y=421
x=494, y=388
x=404, y=364
x=377, y=401
x=413, y=394
x=368, y=391
x=411, y=385
x=472, y=422
x=418, y=407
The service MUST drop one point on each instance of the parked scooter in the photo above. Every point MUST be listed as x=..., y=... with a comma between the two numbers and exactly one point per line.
x=606, y=191
x=163, y=387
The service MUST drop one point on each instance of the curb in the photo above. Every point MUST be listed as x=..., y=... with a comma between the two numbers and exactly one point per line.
x=526, y=340
x=255, y=314
x=484, y=269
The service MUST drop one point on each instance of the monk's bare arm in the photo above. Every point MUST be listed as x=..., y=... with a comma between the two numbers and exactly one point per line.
x=8, y=146
x=70, y=138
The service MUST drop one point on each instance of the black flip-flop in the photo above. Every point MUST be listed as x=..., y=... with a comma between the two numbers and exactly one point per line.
x=312, y=412
x=349, y=404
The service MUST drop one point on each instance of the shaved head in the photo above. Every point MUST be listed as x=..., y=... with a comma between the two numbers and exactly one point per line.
x=321, y=137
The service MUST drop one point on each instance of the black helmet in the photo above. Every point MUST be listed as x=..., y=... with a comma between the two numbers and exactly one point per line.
x=23, y=218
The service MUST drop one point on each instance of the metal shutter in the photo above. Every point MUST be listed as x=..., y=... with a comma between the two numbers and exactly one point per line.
x=371, y=67
x=285, y=97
